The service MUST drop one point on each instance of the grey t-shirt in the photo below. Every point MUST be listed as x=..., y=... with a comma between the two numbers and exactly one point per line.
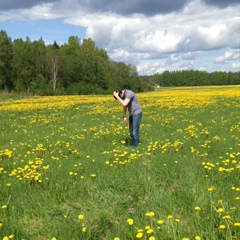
x=133, y=106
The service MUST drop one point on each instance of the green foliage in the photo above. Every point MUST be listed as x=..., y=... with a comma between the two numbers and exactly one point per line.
x=77, y=67
x=5, y=61
x=192, y=78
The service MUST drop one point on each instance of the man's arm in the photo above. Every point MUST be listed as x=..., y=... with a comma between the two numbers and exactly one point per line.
x=124, y=111
x=124, y=102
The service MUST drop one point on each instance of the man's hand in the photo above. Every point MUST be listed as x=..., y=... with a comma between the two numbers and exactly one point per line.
x=115, y=94
x=125, y=120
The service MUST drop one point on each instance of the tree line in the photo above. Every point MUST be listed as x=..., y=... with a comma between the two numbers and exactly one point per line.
x=77, y=67
x=192, y=78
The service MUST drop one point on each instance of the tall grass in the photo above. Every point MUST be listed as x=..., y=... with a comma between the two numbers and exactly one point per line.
x=67, y=170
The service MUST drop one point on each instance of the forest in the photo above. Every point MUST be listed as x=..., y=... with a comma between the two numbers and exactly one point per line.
x=192, y=78
x=80, y=67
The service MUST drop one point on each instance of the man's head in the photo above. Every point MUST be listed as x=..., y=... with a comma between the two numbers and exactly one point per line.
x=120, y=94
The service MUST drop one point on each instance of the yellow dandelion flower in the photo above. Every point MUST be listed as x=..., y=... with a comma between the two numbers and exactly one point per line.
x=226, y=217
x=197, y=208
x=4, y=206
x=150, y=214
x=130, y=221
x=160, y=222
x=139, y=235
x=80, y=216
x=169, y=216
x=210, y=189
x=152, y=238
x=84, y=229
x=220, y=210
x=150, y=231
x=237, y=224
x=197, y=238
x=116, y=238
x=222, y=226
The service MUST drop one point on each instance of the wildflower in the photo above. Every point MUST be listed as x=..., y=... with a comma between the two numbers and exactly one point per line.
x=197, y=208
x=152, y=238
x=237, y=224
x=160, y=222
x=177, y=220
x=11, y=236
x=149, y=230
x=210, y=189
x=130, y=221
x=80, y=217
x=226, y=217
x=222, y=226
x=197, y=238
x=139, y=235
x=169, y=216
x=4, y=206
x=116, y=238
x=84, y=229
x=93, y=175
x=53, y=238
x=5, y=238
x=185, y=239
x=220, y=210
x=150, y=214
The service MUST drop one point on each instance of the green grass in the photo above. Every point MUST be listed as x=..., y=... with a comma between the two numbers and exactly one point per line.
x=86, y=168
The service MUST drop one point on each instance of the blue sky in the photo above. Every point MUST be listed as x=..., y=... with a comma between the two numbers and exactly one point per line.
x=153, y=35
x=48, y=30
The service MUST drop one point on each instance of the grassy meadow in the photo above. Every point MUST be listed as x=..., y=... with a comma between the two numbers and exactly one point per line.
x=67, y=171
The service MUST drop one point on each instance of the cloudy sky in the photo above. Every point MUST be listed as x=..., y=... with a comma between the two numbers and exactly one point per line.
x=153, y=35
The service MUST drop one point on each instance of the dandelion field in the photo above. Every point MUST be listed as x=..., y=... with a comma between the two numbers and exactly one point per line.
x=67, y=171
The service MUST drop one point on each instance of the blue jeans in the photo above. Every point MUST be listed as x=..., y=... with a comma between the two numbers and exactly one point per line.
x=134, y=124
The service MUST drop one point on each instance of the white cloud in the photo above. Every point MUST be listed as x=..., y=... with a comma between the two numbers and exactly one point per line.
x=236, y=66
x=171, y=41
x=228, y=56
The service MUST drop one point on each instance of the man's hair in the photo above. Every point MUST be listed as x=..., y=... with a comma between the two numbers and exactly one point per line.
x=119, y=92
